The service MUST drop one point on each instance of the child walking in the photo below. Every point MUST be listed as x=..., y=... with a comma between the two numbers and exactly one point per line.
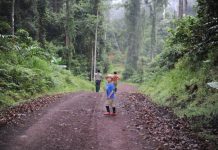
x=115, y=80
x=98, y=77
x=110, y=93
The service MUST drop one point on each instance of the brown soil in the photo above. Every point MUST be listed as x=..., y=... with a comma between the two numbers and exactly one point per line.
x=76, y=122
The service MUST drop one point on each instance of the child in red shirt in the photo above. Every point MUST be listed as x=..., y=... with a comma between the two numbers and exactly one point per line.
x=115, y=80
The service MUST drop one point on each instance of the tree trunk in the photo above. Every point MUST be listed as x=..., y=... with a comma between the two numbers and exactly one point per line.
x=180, y=9
x=96, y=40
x=174, y=14
x=56, y=6
x=153, y=29
x=12, y=17
x=67, y=25
x=105, y=34
x=92, y=74
x=68, y=36
x=164, y=11
x=116, y=41
x=134, y=38
x=185, y=7
x=41, y=7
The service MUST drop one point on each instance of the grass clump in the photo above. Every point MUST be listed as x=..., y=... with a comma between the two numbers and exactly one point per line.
x=186, y=91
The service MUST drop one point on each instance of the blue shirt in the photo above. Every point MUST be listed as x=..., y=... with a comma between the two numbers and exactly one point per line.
x=110, y=88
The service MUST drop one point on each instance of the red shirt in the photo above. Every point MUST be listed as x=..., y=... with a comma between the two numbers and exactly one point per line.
x=116, y=78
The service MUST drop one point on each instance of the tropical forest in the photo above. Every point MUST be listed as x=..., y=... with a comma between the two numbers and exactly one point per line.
x=108, y=74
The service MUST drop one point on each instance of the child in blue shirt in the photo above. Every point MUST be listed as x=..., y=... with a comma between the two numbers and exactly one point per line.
x=110, y=93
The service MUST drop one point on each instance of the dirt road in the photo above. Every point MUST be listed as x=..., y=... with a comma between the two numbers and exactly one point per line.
x=76, y=122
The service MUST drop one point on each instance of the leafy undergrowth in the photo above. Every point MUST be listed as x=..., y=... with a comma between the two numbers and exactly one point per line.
x=159, y=125
x=21, y=82
x=188, y=94
x=27, y=71
x=117, y=62
x=185, y=91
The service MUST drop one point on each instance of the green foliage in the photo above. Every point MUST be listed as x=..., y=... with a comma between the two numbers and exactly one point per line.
x=55, y=27
x=5, y=42
x=48, y=22
x=24, y=47
x=22, y=82
x=184, y=75
x=184, y=31
x=172, y=88
x=179, y=42
x=26, y=70
x=24, y=37
x=186, y=40
x=129, y=71
x=4, y=26
x=104, y=63
x=80, y=66
x=169, y=78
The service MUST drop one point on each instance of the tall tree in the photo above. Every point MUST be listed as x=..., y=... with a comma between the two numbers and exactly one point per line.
x=12, y=17
x=41, y=7
x=92, y=65
x=180, y=14
x=56, y=5
x=185, y=7
x=68, y=36
x=96, y=13
x=96, y=41
x=153, y=12
x=133, y=17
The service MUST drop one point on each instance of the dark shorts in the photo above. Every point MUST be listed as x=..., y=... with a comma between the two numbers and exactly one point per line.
x=98, y=82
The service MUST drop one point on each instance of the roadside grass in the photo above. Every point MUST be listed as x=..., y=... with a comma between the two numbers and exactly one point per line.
x=169, y=89
x=187, y=93
x=35, y=77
